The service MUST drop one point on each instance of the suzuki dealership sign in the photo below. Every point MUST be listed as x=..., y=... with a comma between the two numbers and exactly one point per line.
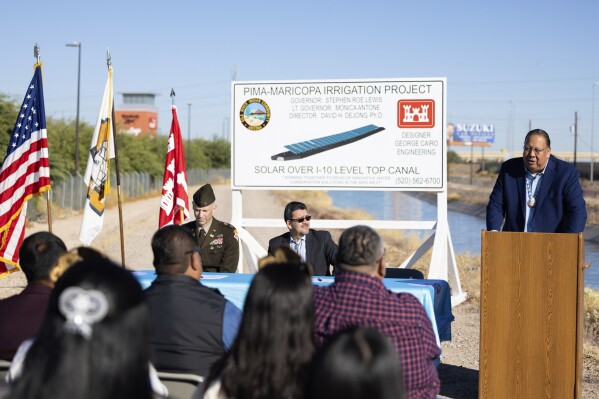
x=474, y=134
x=356, y=134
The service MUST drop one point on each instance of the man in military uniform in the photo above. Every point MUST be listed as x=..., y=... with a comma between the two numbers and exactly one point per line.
x=218, y=241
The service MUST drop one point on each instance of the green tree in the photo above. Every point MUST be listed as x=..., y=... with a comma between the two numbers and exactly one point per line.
x=219, y=151
x=8, y=116
x=140, y=154
x=453, y=157
x=61, y=146
x=197, y=156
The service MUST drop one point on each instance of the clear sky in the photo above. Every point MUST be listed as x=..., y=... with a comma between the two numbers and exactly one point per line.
x=506, y=62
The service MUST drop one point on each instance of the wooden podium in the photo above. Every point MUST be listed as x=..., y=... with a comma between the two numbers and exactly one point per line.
x=531, y=315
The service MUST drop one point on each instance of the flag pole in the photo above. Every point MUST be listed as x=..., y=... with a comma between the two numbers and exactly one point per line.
x=36, y=54
x=181, y=213
x=118, y=173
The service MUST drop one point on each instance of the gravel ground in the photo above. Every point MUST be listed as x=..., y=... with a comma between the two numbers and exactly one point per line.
x=459, y=365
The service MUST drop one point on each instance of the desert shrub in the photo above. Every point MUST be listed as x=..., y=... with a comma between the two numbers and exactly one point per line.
x=591, y=314
x=453, y=157
x=453, y=197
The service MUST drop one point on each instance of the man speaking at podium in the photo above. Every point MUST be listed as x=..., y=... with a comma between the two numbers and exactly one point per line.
x=537, y=192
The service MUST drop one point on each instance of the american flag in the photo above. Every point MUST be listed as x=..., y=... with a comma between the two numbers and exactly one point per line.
x=24, y=172
x=174, y=203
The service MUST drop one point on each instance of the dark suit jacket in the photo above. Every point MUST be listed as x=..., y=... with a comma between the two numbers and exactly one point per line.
x=321, y=250
x=21, y=317
x=560, y=206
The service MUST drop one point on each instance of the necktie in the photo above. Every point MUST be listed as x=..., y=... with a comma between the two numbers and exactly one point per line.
x=202, y=237
x=297, y=247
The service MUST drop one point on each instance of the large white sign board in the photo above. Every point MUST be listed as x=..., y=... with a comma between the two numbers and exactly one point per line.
x=354, y=134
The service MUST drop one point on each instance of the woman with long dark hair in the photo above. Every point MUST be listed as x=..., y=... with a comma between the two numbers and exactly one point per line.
x=272, y=353
x=94, y=341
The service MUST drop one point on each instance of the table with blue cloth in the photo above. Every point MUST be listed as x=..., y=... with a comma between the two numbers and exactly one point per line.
x=434, y=295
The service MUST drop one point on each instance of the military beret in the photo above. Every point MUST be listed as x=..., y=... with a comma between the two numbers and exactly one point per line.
x=204, y=196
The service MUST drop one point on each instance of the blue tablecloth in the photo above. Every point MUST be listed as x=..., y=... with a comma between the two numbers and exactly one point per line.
x=433, y=294
x=441, y=304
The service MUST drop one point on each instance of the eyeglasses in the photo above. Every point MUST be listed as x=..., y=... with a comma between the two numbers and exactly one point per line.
x=194, y=250
x=301, y=220
x=537, y=151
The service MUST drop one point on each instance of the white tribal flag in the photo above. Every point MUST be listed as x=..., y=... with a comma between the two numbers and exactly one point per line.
x=97, y=173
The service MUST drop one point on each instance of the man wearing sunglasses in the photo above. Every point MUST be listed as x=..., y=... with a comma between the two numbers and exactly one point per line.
x=537, y=192
x=314, y=247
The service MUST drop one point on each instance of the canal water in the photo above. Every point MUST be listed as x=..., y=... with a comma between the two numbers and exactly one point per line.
x=465, y=229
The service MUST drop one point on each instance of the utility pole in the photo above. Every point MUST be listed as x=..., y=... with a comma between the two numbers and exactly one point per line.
x=78, y=45
x=593, y=130
x=228, y=133
x=187, y=162
x=575, y=134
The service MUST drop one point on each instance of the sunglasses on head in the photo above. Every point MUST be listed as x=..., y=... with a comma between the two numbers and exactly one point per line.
x=301, y=220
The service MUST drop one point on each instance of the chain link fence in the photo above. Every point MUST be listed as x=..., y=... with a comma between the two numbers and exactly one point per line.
x=71, y=192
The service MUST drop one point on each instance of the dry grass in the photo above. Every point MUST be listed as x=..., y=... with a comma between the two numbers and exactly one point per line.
x=591, y=315
x=399, y=246
x=453, y=197
x=469, y=269
x=590, y=361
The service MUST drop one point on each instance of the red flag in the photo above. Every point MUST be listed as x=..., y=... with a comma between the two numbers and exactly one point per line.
x=25, y=172
x=174, y=199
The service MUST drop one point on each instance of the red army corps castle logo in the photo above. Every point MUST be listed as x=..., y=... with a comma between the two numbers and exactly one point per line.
x=416, y=113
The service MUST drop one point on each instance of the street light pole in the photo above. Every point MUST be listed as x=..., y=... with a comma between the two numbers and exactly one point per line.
x=593, y=129
x=510, y=134
x=575, y=135
x=78, y=45
x=188, y=133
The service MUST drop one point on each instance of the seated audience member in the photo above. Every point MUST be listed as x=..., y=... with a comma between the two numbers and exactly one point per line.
x=68, y=259
x=359, y=298
x=355, y=364
x=273, y=350
x=314, y=247
x=284, y=255
x=21, y=315
x=192, y=325
x=94, y=341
